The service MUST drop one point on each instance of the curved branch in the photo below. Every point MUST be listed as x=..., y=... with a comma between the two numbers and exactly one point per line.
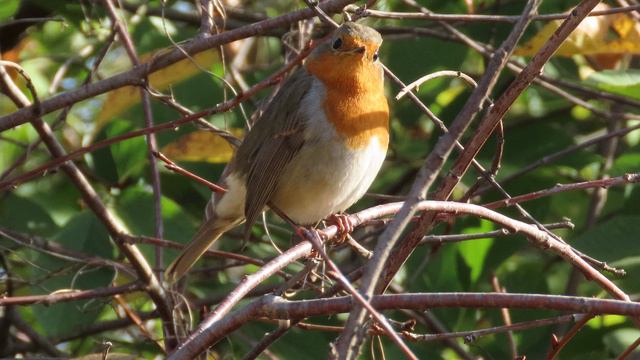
x=278, y=308
x=133, y=76
x=202, y=337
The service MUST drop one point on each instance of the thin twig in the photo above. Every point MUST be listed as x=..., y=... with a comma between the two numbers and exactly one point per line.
x=71, y=295
x=91, y=198
x=506, y=317
x=592, y=184
x=472, y=18
x=34, y=336
x=348, y=346
x=133, y=76
x=313, y=4
x=54, y=249
x=440, y=239
x=437, y=74
x=335, y=272
x=152, y=144
x=275, y=307
x=206, y=17
x=472, y=335
x=559, y=345
x=630, y=349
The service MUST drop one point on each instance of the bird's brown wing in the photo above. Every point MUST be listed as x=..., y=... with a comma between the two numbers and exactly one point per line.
x=272, y=143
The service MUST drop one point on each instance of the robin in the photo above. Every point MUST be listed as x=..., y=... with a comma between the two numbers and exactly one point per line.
x=315, y=150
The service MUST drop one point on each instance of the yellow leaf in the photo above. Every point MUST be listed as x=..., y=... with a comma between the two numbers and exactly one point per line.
x=123, y=98
x=623, y=25
x=201, y=146
x=609, y=35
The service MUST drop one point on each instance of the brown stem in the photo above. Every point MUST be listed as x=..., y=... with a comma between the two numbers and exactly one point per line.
x=133, y=76
x=275, y=307
x=91, y=198
x=349, y=343
x=71, y=295
x=486, y=127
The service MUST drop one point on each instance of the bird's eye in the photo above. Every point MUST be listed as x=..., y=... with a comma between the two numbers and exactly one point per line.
x=337, y=43
x=375, y=56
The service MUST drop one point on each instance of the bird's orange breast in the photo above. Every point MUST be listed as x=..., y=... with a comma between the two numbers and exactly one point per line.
x=354, y=97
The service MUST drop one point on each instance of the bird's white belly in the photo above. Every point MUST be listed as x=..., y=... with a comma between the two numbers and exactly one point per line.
x=325, y=178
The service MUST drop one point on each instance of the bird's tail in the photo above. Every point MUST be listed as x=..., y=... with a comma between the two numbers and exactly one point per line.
x=204, y=238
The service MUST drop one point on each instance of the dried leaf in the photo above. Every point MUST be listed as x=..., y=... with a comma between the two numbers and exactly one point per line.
x=201, y=146
x=123, y=98
x=607, y=37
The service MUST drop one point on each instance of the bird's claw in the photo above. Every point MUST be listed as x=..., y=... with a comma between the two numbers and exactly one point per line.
x=344, y=225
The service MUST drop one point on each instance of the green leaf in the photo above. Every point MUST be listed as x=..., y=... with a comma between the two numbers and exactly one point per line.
x=135, y=207
x=8, y=8
x=626, y=163
x=623, y=82
x=612, y=240
x=474, y=252
x=524, y=145
x=618, y=340
x=616, y=242
x=123, y=160
x=23, y=214
x=83, y=233
x=129, y=156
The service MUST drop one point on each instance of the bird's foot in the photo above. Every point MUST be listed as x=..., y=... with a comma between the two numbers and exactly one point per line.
x=344, y=224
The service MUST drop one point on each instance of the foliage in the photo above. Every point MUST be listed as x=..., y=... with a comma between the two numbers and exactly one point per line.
x=59, y=54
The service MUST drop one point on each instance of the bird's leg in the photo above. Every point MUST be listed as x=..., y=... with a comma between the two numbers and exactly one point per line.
x=304, y=232
x=344, y=224
x=310, y=234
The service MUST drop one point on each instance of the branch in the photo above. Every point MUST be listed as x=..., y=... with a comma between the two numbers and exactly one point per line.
x=274, y=307
x=349, y=343
x=152, y=144
x=225, y=106
x=474, y=18
x=599, y=183
x=54, y=249
x=93, y=201
x=486, y=127
x=472, y=335
x=133, y=76
x=71, y=295
x=40, y=341
x=201, y=338
x=440, y=239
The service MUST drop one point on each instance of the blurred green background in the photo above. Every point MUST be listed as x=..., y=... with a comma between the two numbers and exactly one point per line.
x=58, y=54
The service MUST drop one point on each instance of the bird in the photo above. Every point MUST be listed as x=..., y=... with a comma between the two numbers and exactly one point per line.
x=314, y=151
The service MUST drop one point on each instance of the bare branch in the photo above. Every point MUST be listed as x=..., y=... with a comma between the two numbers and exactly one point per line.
x=487, y=125
x=472, y=18
x=71, y=295
x=114, y=227
x=349, y=343
x=152, y=144
x=275, y=307
x=133, y=76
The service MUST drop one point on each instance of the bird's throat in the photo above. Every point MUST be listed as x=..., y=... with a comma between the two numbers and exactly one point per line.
x=354, y=100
